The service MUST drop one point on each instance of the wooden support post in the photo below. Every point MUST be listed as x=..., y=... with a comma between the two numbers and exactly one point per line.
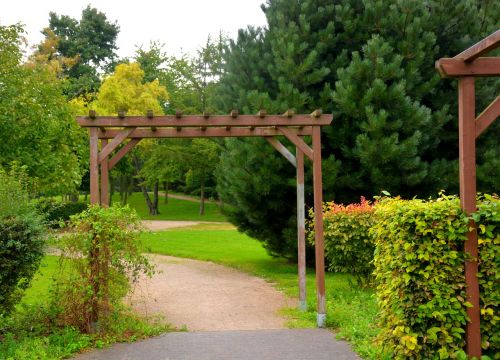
x=318, y=227
x=94, y=165
x=467, y=164
x=104, y=177
x=301, y=230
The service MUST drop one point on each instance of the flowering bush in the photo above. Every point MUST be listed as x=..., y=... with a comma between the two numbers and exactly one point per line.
x=348, y=245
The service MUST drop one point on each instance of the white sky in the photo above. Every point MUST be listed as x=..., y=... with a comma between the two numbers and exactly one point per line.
x=183, y=25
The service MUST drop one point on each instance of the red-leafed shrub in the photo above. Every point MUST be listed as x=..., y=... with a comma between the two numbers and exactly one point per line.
x=348, y=245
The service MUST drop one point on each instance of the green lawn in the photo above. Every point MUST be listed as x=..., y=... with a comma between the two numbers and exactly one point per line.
x=350, y=311
x=175, y=209
x=39, y=289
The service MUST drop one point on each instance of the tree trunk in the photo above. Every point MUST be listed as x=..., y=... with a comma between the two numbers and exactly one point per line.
x=165, y=187
x=151, y=208
x=111, y=190
x=202, y=198
x=155, y=198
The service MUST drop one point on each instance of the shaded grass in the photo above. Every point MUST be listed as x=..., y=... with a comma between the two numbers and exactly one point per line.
x=351, y=311
x=176, y=209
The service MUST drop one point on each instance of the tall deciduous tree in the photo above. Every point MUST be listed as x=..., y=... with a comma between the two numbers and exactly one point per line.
x=91, y=41
x=37, y=127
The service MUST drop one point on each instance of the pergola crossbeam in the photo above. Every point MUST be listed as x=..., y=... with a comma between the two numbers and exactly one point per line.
x=202, y=121
x=450, y=67
x=209, y=132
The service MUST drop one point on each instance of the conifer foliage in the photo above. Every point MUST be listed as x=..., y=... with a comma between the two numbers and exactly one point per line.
x=371, y=64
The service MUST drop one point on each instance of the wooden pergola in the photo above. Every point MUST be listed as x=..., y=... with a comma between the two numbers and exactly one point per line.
x=118, y=135
x=466, y=66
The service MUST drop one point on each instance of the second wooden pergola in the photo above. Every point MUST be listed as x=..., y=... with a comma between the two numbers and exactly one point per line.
x=113, y=133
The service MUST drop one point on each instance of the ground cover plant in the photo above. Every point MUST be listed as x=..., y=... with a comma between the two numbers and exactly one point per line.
x=351, y=310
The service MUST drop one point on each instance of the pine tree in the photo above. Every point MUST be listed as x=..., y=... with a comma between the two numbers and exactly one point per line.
x=371, y=64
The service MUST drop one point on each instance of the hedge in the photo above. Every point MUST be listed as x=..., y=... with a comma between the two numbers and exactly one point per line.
x=55, y=211
x=419, y=271
x=348, y=246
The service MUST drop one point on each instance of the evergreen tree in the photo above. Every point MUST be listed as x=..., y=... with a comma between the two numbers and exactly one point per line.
x=371, y=64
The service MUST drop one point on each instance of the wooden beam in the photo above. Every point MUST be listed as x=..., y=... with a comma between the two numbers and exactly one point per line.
x=488, y=116
x=301, y=230
x=467, y=171
x=113, y=144
x=297, y=141
x=122, y=152
x=486, y=45
x=104, y=178
x=319, y=245
x=200, y=120
x=209, y=132
x=94, y=166
x=282, y=150
x=451, y=67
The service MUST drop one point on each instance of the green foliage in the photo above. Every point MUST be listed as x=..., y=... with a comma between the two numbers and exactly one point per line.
x=37, y=128
x=56, y=211
x=419, y=270
x=348, y=245
x=371, y=64
x=21, y=242
x=91, y=41
x=101, y=257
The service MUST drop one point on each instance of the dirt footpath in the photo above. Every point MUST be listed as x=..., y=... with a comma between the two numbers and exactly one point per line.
x=206, y=296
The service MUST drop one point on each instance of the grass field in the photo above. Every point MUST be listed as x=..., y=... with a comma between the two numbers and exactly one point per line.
x=351, y=311
x=175, y=209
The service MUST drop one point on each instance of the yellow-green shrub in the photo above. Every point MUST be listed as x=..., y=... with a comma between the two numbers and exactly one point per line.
x=419, y=270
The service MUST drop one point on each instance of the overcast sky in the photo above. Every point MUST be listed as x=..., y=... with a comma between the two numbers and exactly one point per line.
x=183, y=25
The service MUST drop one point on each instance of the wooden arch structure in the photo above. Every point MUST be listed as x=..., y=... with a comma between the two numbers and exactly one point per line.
x=466, y=66
x=112, y=133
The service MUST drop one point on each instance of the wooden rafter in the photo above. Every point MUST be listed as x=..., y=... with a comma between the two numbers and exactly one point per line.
x=486, y=45
x=202, y=121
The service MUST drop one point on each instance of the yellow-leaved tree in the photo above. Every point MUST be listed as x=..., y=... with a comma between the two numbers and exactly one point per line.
x=125, y=90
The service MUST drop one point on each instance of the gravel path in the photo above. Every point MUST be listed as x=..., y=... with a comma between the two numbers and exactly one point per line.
x=205, y=296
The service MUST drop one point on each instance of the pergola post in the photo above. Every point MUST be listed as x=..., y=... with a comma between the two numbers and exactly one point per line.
x=318, y=227
x=104, y=177
x=301, y=230
x=467, y=170
x=94, y=165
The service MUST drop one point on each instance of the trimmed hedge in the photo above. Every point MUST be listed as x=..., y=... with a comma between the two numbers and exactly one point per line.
x=56, y=211
x=419, y=270
x=348, y=245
